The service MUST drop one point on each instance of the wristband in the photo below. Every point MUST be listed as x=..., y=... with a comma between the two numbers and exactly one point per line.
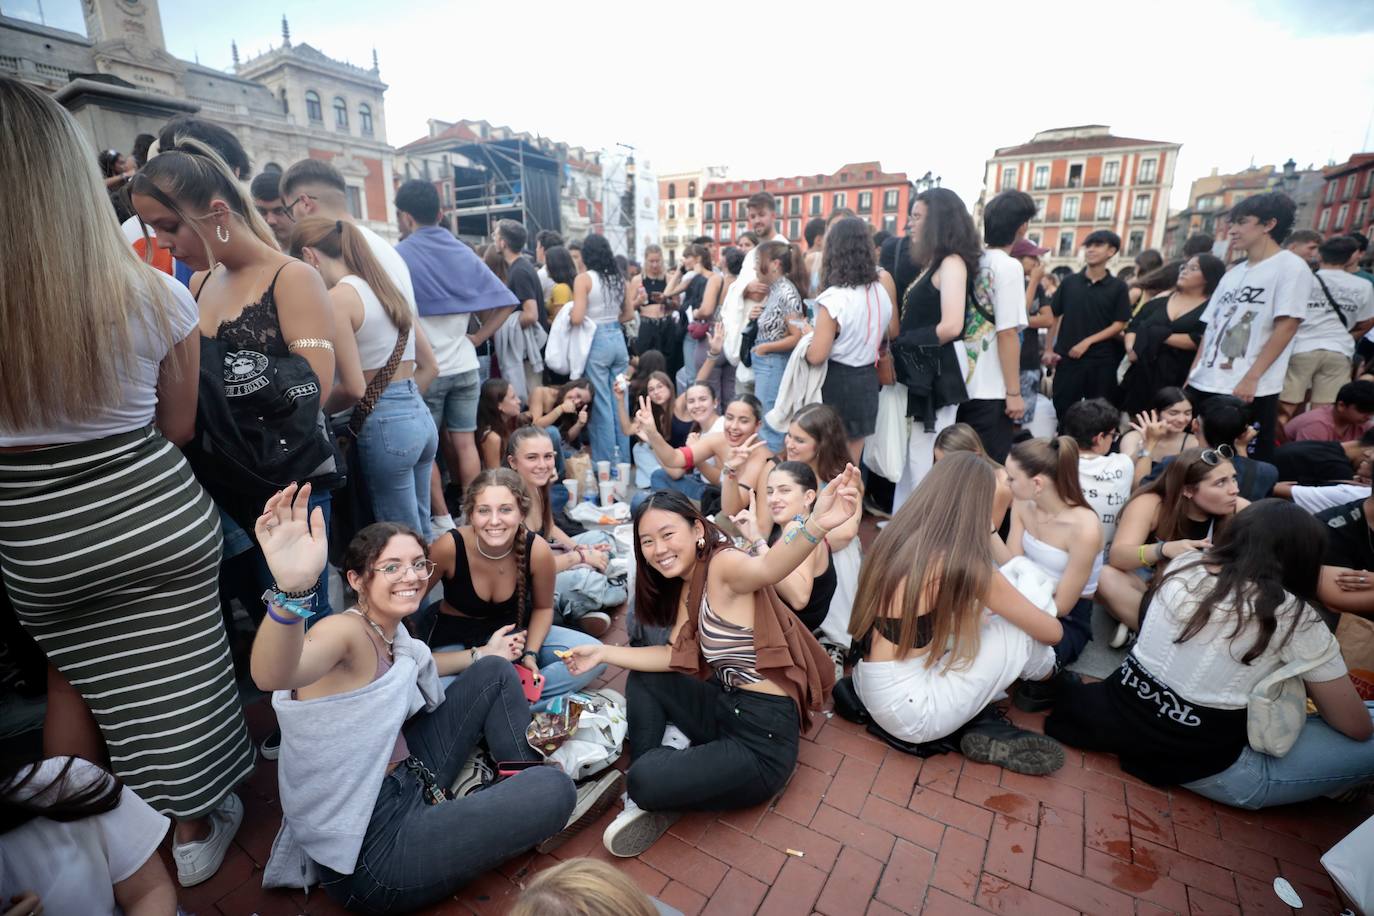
x=529, y=653
x=1141, y=554
x=284, y=621
x=686, y=452
x=1159, y=551
x=728, y=471
x=302, y=606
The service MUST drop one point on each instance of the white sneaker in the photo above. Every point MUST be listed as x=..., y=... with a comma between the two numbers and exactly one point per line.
x=593, y=798
x=1121, y=636
x=634, y=830
x=674, y=738
x=198, y=861
x=438, y=524
x=477, y=773
x=837, y=655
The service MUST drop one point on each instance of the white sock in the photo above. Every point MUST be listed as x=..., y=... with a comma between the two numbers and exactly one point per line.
x=673, y=737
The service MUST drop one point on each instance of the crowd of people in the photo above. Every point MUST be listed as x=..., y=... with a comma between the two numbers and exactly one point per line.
x=227, y=398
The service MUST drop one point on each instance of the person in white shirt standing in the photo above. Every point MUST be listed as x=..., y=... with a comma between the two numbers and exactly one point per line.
x=1253, y=316
x=1339, y=312
x=990, y=353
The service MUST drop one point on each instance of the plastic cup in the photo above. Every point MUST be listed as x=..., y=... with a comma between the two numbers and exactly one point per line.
x=623, y=472
x=571, y=486
x=607, y=488
x=603, y=470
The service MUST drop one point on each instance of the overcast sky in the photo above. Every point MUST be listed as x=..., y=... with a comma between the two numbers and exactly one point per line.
x=772, y=89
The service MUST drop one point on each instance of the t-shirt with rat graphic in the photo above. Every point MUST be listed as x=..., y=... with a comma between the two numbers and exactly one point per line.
x=1240, y=318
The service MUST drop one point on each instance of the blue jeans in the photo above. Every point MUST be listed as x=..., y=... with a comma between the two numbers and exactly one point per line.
x=557, y=679
x=607, y=359
x=691, y=485
x=646, y=462
x=768, y=371
x=415, y=854
x=1322, y=762
x=238, y=542
x=396, y=449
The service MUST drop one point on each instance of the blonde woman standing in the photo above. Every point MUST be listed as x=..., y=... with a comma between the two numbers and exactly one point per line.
x=110, y=548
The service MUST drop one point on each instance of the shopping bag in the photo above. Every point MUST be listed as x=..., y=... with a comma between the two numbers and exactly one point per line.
x=885, y=450
x=1348, y=865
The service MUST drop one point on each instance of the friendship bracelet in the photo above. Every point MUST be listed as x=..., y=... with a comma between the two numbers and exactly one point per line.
x=1143, y=561
x=303, y=593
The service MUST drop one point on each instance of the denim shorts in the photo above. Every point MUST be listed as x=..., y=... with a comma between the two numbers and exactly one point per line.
x=452, y=399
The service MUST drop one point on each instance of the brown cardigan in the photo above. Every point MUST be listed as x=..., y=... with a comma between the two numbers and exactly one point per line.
x=787, y=654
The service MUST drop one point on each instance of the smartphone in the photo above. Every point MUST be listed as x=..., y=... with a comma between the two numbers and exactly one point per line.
x=533, y=689
x=510, y=767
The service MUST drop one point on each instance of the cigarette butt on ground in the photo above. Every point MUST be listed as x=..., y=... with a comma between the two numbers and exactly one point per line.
x=796, y=852
x=562, y=653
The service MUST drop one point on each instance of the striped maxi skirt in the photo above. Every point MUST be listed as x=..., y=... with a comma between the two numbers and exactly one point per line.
x=110, y=551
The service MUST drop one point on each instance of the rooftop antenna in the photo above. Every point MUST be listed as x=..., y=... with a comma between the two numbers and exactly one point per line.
x=285, y=32
x=234, y=47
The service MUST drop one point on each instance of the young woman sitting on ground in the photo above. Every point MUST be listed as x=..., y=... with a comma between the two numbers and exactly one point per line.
x=496, y=574
x=498, y=415
x=1053, y=526
x=1162, y=432
x=766, y=672
x=371, y=741
x=1179, y=511
x=704, y=458
x=563, y=410
x=658, y=388
x=790, y=496
x=933, y=660
x=531, y=455
x=960, y=437
x=1221, y=621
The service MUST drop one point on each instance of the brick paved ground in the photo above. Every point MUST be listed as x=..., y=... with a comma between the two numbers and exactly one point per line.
x=883, y=832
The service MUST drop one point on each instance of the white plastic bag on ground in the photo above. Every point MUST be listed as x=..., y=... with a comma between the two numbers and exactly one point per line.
x=1348, y=865
x=586, y=731
x=885, y=450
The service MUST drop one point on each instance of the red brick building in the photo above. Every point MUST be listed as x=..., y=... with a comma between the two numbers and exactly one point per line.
x=1084, y=179
x=1345, y=202
x=881, y=198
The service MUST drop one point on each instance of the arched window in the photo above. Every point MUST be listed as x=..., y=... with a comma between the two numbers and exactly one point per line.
x=672, y=190
x=365, y=118
x=340, y=113
x=313, y=111
x=691, y=189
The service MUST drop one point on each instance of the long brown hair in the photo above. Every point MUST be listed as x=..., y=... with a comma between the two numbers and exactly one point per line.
x=335, y=238
x=489, y=415
x=663, y=413
x=936, y=553
x=792, y=259
x=960, y=437
x=822, y=423
x=1187, y=470
x=505, y=477
x=1057, y=459
x=517, y=439
x=656, y=596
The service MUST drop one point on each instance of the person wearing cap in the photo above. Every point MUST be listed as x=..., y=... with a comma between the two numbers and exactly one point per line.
x=1038, y=316
x=990, y=352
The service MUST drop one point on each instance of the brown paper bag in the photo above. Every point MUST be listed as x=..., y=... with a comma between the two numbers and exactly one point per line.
x=1356, y=636
x=577, y=467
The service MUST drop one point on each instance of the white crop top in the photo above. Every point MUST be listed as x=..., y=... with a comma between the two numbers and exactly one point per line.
x=377, y=334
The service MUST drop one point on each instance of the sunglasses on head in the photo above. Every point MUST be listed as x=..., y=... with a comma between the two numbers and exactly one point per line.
x=1215, y=456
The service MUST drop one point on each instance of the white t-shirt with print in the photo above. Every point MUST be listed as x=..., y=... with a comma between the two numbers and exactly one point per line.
x=1321, y=329
x=1207, y=668
x=1240, y=319
x=1000, y=285
x=73, y=866
x=1106, y=482
x=862, y=312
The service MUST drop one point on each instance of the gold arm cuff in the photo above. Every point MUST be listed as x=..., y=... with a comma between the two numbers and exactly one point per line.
x=310, y=343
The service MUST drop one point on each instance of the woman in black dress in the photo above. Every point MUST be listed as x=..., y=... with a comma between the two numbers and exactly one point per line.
x=1162, y=338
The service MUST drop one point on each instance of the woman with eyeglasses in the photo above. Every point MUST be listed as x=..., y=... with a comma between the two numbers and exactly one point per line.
x=498, y=578
x=1221, y=621
x=1163, y=431
x=370, y=740
x=1181, y=510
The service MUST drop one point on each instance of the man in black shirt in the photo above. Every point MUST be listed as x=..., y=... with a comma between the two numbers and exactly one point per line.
x=1312, y=464
x=1347, y=583
x=1091, y=309
x=521, y=276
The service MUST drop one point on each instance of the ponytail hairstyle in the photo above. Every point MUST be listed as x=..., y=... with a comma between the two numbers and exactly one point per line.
x=960, y=437
x=505, y=477
x=489, y=416
x=656, y=596
x=1057, y=459
x=801, y=475
x=792, y=259
x=343, y=241
x=702, y=253
x=513, y=446
x=754, y=404
x=186, y=179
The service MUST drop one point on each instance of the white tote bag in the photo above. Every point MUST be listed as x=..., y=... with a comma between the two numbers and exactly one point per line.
x=1348, y=865
x=885, y=450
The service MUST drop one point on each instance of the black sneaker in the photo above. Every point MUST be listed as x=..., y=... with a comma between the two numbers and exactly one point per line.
x=271, y=745
x=1038, y=696
x=990, y=738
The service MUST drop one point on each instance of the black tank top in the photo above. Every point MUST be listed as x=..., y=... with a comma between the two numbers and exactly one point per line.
x=462, y=597
x=812, y=614
x=257, y=327
x=921, y=304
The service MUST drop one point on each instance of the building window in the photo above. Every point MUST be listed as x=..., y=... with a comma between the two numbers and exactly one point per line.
x=1070, y=211
x=1359, y=215
x=742, y=227
x=709, y=210
x=1008, y=177
x=672, y=211
x=794, y=228
x=365, y=119
x=1042, y=178
x=890, y=224
x=815, y=205
x=672, y=190
x=355, y=202
x=1135, y=242
x=1141, y=210
x=1034, y=237
x=313, y=111
x=1330, y=192
x=725, y=232
x=1039, y=210
x=691, y=210
x=691, y=189
x=890, y=200
x=1109, y=172
x=340, y=113
x=1341, y=214
x=794, y=205
x=1066, y=243
x=1368, y=182
x=1105, y=207
x=1349, y=187
x=865, y=201
x=1324, y=221
x=725, y=210
x=1076, y=176
x=839, y=199
x=1148, y=168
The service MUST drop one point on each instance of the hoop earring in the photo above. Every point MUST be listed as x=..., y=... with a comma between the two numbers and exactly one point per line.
x=222, y=234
